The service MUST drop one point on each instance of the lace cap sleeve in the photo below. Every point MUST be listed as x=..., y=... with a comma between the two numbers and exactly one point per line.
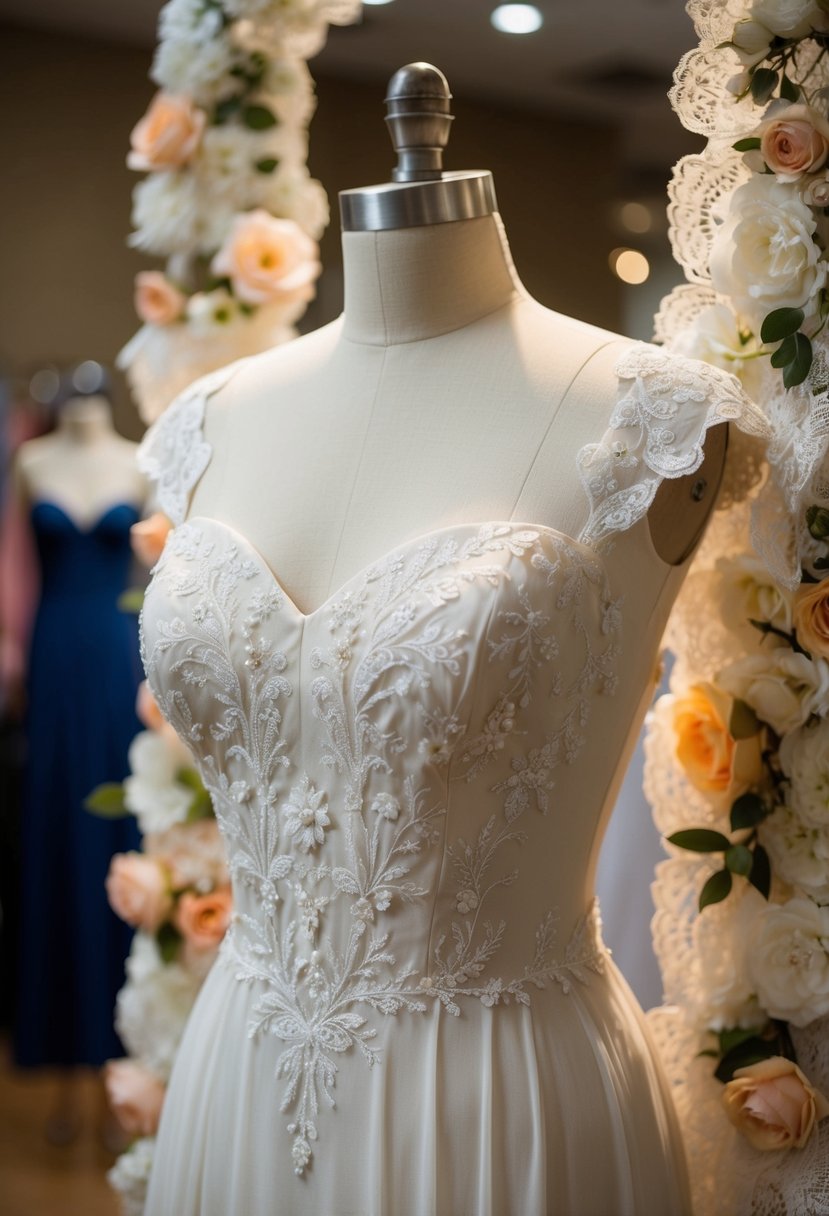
x=174, y=453
x=657, y=429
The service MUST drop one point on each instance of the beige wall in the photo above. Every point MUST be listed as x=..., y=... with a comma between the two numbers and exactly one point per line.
x=65, y=270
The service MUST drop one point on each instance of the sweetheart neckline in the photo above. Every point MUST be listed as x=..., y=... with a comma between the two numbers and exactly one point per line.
x=420, y=539
x=95, y=521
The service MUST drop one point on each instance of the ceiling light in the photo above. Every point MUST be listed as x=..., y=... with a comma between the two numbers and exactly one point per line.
x=517, y=18
x=630, y=266
x=636, y=217
x=378, y=2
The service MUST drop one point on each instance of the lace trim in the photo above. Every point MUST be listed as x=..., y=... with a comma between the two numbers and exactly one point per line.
x=174, y=453
x=657, y=430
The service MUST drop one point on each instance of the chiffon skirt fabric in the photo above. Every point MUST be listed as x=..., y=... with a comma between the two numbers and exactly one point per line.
x=550, y=1110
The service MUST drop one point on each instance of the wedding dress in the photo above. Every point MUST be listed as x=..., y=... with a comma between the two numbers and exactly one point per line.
x=413, y=1013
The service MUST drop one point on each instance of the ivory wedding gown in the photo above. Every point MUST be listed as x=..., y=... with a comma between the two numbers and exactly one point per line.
x=413, y=1013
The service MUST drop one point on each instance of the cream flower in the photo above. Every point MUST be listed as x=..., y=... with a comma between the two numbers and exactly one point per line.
x=193, y=853
x=782, y=687
x=816, y=190
x=139, y=891
x=153, y=1006
x=715, y=337
x=151, y=791
x=788, y=18
x=794, y=141
x=157, y=301
x=788, y=960
x=306, y=815
x=773, y=1104
x=764, y=256
x=804, y=757
x=168, y=134
x=211, y=311
x=811, y=617
x=747, y=592
x=751, y=40
x=267, y=258
x=295, y=195
x=135, y=1096
x=722, y=992
x=714, y=762
x=799, y=853
x=166, y=213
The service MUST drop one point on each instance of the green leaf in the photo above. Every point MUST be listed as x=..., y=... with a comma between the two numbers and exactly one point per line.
x=800, y=366
x=750, y=1051
x=744, y=722
x=817, y=521
x=760, y=876
x=131, y=600
x=763, y=84
x=169, y=939
x=267, y=164
x=107, y=801
x=735, y=1036
x=715, y=889
x=258, y=118
x=739, y=860
x=784, y=354
x=200, y=806
x=747, y=811
x=821, y=563
x=781, y=323
x=746, y=145
x=226, y=109
x=700, y=840
x=788, y=89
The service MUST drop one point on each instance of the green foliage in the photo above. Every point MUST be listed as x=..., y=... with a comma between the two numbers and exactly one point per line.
x=739, y=860
x=788, y=89
x=760, y=876
x=742, y=1048
x=258, y=118
x=169, y=940
x=107, y=801
x=747, y=811
x=267, y=164
x=744, y=722
x=763, y=83
x=781, y=323
x=747, y=145
x=817, y=521
x=700, y=840
x=131, y=600
x=716, y=889
x=800, y=365
x=200, y=806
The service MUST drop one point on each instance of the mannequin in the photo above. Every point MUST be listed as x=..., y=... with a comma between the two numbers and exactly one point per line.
x=442, y=399
x=82, y=491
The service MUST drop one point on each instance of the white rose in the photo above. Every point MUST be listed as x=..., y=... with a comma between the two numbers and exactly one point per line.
x=293, y=194
x=151, y=1012
x=788, y=960
x=165, y=213
x=723, y=987
x=715, y=337
x=764, y=257
x=804, y=757
x=799, y=853
x=783, y=688
x=751, y=40
x=226, y=163
x=151, y=791
x=788, y=18
x=749, y=593
x=816, y=190
x=209, y=311
x=130, y=1176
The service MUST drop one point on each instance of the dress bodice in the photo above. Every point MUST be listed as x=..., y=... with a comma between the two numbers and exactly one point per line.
x=410, y=779
x=83, y=562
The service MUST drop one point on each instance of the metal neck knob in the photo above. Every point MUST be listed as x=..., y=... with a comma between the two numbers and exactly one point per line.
x=421, y=192
x=419, y=121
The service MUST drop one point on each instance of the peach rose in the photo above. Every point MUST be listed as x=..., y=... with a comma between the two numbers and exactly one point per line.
x=773, y=1105
x=138, y=891
x=202, y=920
x=811, y=618
x=167, y=135
x=135, y=1096
x=146, y=708
x=795, y=141
x=148, y=536
x=714, y=761
x=267, y=259
x=157, y=301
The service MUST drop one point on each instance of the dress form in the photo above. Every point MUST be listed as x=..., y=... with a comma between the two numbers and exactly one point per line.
x=444, y=393
x=84, y=466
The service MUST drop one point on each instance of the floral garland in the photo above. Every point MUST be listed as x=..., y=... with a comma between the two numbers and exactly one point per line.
x=738, y=752
x=227, y=200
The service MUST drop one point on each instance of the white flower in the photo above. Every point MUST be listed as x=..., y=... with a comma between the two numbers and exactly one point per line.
x=789, y=962
x=152, y=792
x=386, y=805
x=130, y=1176
x=226, y=162
x=788, y=18
x=152, y=1009
x=166, y=213
x=208, y=311
x=799, y=853
x=764, y=256
x=291, y=193
x=715, y=337
x=804, y=756
x=306, y=817
x=723, y=991
x=193, y=57
x=816, y=190
x=782, y=687
x=194, y=852
x=751, y=40
x=747, y=592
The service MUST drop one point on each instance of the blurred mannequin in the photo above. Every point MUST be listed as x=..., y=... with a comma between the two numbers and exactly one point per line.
x=82, y=494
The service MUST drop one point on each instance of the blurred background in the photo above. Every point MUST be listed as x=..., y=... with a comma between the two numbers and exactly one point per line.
x=573, y=120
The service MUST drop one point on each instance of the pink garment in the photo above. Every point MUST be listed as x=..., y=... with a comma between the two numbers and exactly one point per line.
x=18, y=568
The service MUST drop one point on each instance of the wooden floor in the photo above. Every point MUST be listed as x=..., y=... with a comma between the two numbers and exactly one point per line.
x=36, y=1178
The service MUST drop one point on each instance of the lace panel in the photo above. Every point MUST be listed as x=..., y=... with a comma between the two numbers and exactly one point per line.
x=174, y=453
x=657, y=430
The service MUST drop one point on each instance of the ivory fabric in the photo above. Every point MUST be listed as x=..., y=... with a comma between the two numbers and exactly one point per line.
x=413, y=1013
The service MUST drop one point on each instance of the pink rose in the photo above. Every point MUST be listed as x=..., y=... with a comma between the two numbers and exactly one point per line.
x=146, y=708
x=202, y=920
x=167, y=135
x=267, y=259
x=157, y=301
x=816, y=191
x=773, y=1104
x=795, y=142
x=147, y=537
x=135, y=1096
x=138, y=891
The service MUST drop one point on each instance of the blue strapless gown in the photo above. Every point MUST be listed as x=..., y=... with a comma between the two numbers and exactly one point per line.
x=83, y=675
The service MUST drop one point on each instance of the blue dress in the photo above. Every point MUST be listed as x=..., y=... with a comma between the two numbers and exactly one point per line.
x=83, y=675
